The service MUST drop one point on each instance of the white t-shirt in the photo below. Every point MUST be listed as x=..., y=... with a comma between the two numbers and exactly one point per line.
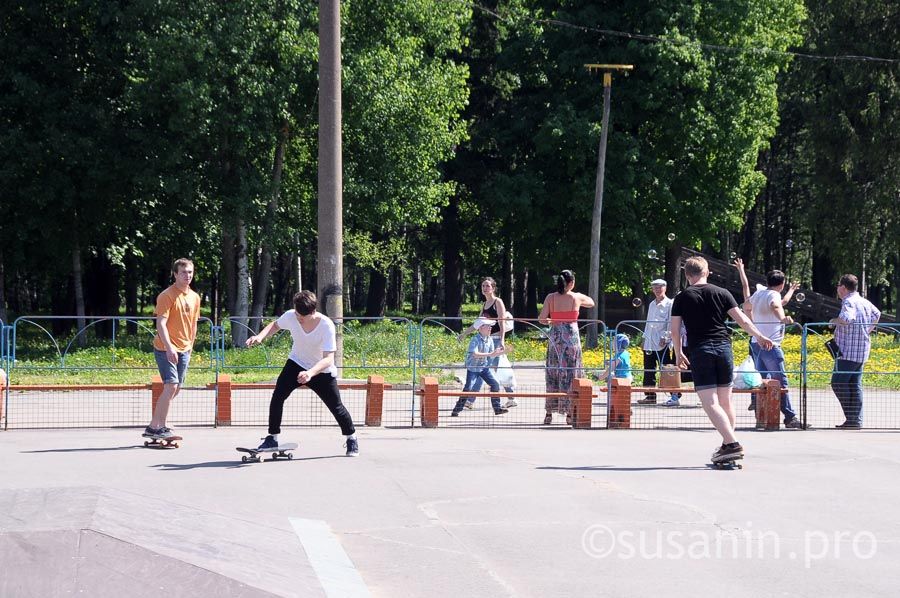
x=764, y=316
x=309, y=348
x=658, y=317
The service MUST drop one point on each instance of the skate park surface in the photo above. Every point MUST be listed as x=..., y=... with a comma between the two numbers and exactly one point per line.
x=449, y=512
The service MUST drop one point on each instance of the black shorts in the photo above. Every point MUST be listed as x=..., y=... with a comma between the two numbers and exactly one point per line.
x=712, y=366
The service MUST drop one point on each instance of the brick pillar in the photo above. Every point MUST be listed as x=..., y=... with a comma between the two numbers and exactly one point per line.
x=768, y=405
x=223, y=400
x=3, y=380
x=374, y=400
x=582, y=395
x=429, y=405
x=620, y=403
x=156, y=388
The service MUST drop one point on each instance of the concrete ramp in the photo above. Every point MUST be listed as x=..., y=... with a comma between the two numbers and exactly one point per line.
x=100, y=542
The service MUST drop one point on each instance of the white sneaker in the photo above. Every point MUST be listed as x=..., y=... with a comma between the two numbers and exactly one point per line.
x=672, y=402
x=511, y=403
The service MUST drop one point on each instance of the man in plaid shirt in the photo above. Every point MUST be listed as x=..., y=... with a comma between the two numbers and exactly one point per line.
x=852, y=328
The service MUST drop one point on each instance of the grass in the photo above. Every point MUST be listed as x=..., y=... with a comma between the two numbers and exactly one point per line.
x=383, y=347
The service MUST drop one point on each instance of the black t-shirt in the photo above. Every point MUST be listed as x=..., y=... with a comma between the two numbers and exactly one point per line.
x=704, y=310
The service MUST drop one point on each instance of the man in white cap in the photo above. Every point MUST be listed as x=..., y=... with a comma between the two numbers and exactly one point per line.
x=657, y=341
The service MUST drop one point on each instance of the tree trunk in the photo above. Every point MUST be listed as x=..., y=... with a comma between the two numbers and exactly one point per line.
x=453, y=280
x=823, y=275
x=229, y=273
x=3, y=316
x=264, y=264
x=359, y=288
x=132, y=278
x=394, y=290
x=78, y=285
x=214, y=299
x=601, y=303
x=531, y=301
x=671, y=273
x=242, y=300
x=506, y=278
x=637, y=292
x=417, y=294
x=281, y=285
x=375, y=302
x=433, y=293
x=518, y=297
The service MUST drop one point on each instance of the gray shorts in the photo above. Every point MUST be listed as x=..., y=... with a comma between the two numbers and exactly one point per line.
x=172, y=373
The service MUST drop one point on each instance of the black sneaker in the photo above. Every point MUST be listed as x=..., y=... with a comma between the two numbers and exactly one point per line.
x=454, y=414
x=751, y=407
x=849, y=426
x=152, y=432
x=501, y=411
x=794, y=423
x=728, y=452
x=352, y=447
x=268, y=443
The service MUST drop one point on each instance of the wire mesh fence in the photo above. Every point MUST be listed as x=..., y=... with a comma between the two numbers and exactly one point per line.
x=384, y=347
x=99, y=374
x=857, y=386
x=538, y=367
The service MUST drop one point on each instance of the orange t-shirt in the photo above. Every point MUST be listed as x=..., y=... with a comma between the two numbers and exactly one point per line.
x=183, y=311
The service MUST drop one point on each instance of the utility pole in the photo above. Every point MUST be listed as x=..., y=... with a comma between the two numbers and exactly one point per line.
x=330, y=262
x=594, y=287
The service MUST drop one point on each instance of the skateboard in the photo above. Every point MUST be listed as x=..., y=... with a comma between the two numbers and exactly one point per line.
x=255, y=455
x=731, y=463
x=171, y=442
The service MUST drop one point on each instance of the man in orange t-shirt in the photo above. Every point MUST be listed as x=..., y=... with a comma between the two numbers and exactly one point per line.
x=177, y=312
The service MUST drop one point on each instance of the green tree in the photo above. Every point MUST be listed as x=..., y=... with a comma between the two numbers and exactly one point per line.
x=402, y=99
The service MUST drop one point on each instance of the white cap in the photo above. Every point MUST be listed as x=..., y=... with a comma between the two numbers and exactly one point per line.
x=483, y=322
x=659, y=282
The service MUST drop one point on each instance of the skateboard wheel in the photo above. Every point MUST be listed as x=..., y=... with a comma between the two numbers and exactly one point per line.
x=146, y=443
x=290, y=456
x=244, y=459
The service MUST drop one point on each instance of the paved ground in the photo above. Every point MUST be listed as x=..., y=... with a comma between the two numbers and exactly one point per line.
x=553, y=512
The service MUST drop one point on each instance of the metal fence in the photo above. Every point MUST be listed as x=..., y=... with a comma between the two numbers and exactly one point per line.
x=523, y=383
x=99, y=374
x=371, y=346
x=831, y=386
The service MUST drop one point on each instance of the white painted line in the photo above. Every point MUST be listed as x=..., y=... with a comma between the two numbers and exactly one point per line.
x=335, y=570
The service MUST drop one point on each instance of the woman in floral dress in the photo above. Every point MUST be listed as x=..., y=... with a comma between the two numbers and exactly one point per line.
x=563, y=363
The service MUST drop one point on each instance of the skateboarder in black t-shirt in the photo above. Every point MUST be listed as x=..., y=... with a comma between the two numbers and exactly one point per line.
x=704, y=309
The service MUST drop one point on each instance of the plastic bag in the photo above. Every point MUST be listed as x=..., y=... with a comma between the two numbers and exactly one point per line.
x=504, y=373
x=746, y=376
x=508, y=324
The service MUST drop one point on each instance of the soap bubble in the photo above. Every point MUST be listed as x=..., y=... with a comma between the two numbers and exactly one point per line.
x=732, y=255
x=671, y=236
x=800, y=297
x=637, y=302
x=789, y=243
x=652, y=254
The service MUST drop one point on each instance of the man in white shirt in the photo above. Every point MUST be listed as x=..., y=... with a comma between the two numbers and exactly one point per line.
x=657, y=341
x=311, y=362
x=768, y=315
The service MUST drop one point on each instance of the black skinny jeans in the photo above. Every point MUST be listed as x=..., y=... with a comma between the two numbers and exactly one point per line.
x=323, y=384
